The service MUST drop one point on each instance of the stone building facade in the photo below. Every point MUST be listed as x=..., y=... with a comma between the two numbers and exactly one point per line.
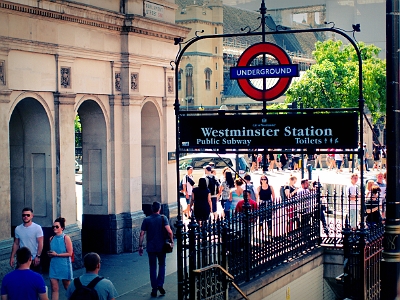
x=201, y=69
x=108, y=62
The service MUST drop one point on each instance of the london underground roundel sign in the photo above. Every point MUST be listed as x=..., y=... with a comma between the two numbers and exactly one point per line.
x=243, y=72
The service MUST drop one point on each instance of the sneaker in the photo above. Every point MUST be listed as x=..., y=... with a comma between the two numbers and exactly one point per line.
x=161, y=290
x=154, y=293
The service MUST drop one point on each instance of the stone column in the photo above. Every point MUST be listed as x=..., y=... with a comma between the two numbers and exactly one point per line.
x=65, y=204
x=5, y=203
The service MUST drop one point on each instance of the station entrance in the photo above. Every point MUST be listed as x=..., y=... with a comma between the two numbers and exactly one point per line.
x=248, y=242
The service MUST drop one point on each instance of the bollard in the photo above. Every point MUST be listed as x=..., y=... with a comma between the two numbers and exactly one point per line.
x=309, y=169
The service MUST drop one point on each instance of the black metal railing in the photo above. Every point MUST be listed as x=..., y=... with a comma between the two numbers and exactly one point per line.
x=250, y=243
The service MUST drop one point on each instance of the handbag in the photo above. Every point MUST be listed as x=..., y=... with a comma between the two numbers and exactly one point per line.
x=167, y=247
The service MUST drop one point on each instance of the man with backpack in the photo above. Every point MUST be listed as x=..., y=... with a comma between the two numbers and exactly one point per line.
x=90, y=285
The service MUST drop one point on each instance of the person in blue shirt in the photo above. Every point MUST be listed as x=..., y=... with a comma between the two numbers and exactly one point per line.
x=23, y=283
x=153, y=227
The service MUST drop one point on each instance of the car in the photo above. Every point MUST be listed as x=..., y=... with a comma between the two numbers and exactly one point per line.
x=200, y=160
x=77, y=167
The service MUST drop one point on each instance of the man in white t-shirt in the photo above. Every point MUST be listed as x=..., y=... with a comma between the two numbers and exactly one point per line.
x=187, y=184
x=353, y=194
x=30, y=235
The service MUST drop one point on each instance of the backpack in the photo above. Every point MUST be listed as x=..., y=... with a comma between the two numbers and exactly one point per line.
x=181, y=187
x=85, y=292
x=188, y=181
x=282, y=193
x=250, y=188
x=213, y=184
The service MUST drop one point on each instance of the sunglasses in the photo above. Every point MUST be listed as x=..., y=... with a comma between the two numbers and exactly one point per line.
x=264, y=179
x=26, y=215
x=55, y=227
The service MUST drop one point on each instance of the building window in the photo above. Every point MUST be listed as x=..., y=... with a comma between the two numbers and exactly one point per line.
x=207, y=73
x=216, y=100
x=215, y=30
x=216, y=66
x=189, y=81
x=216, y=50
x=180, y=79
x=216, y=85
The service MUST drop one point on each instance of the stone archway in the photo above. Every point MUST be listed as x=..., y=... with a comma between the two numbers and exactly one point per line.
x=94, y=178
x=151, y=156
x=31, y=183
x=30, y=162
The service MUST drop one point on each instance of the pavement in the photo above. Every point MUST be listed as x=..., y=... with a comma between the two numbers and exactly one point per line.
x=129, y=272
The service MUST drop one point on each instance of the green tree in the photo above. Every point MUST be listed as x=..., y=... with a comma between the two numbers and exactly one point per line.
x=332, y=82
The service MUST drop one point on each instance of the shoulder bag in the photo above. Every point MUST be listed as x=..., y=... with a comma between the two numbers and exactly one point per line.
x=167, y=246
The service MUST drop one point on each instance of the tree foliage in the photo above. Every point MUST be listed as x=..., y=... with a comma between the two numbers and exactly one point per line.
x=332, y=82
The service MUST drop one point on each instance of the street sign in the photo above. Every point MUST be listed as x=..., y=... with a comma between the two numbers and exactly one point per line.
x=335, y=130
x=284, y=71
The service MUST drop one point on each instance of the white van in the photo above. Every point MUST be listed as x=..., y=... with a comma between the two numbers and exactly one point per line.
x=200, y=160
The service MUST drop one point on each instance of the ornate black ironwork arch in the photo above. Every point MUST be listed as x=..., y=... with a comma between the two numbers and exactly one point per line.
x=278, y=30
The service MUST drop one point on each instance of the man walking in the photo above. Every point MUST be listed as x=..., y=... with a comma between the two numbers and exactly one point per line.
x=187, y=184
x=213, y=186
x=154, y=226
x=30, y=235
x=23, y=283
x=104, y=287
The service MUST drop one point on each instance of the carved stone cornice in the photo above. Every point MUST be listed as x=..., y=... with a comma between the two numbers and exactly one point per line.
x=64, y=98
x=168, y=101
x=104, y=19
x=132, y=100
x=197, y=21
x=5, y=96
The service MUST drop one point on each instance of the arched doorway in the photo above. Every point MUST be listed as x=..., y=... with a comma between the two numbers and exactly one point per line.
x=31, y=183
x=30, y=162
x=94, y=178
x=151, y=158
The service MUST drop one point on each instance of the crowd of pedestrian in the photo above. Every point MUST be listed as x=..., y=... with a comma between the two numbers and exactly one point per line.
x=26, y=281
x=271, y=160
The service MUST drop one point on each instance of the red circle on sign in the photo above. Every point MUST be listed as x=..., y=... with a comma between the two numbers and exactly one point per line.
x=283, y=83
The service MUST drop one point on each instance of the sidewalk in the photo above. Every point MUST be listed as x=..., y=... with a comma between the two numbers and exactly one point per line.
x=129, y=273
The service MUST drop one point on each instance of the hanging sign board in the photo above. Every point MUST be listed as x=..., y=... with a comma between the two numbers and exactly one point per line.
x=243, y=72
x=337, y=130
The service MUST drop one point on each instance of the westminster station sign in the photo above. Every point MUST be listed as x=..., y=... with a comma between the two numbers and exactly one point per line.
x=272, y=131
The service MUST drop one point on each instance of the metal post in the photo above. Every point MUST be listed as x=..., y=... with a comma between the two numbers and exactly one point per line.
x=179, y=223
x=247, y=231
x=391, y=253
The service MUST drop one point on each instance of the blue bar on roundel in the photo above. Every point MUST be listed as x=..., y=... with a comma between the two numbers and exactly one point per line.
x=269, y=71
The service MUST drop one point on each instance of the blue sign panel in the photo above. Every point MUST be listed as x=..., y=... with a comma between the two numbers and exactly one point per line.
x=269, y=71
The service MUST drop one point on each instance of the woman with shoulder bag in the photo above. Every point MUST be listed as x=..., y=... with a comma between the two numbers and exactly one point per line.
x=60, y=253
x=225, y=189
